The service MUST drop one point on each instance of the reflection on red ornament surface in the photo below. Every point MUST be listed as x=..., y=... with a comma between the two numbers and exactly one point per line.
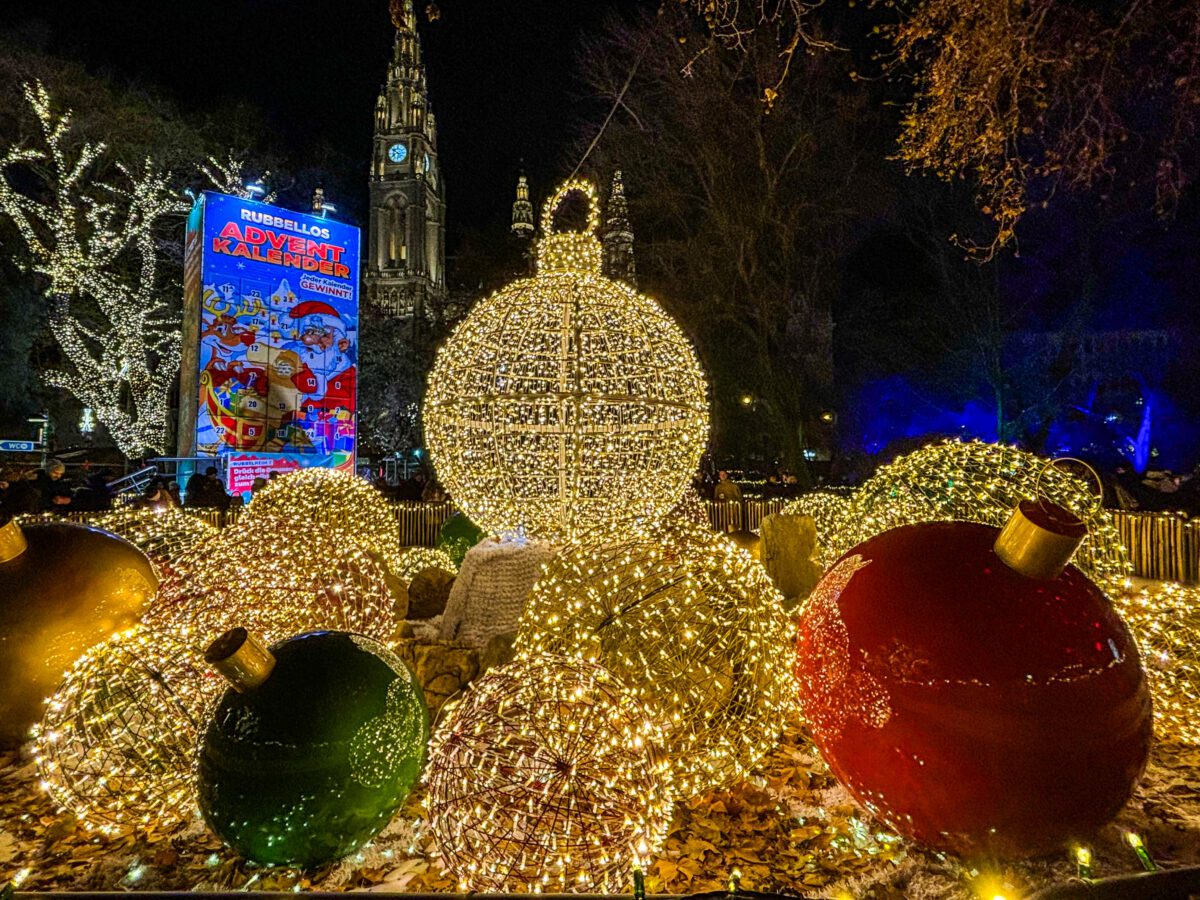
x=973, y=708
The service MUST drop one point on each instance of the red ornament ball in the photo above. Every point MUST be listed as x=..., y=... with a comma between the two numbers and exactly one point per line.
x=971, y=707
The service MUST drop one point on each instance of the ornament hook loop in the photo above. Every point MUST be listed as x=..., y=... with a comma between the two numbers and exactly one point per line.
x=566, y=251
x=1091, y=513
x=555, y=200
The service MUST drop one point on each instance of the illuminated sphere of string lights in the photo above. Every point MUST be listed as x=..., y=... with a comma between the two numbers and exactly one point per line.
x=568, y=400
x=691, y=625
x=545, y=778
x=117, y=741
x=977, y=482
x=162, y=534
x=413, y=560
x=275, y=579
x=1164, y=618
x=341, y=504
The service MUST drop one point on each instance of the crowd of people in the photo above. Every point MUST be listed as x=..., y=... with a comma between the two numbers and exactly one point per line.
x=720, y=486
x=28, y=490
x=1157, y=490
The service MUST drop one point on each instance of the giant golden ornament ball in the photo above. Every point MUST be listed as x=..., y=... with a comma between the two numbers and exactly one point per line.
x=974, y=482
x=1164, y=618
x=117, y=743
x=566, y=401
x=339, y=504
x=162, y=533
x=276, y=577
x=545, y=778
x=63, y=588
x=691, y=625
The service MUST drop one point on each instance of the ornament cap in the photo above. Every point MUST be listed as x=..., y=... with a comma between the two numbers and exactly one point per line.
x=241, y=659
x=1040, y=538
x=12, y=541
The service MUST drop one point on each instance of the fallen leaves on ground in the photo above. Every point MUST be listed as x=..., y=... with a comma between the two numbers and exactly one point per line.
x=788, y=828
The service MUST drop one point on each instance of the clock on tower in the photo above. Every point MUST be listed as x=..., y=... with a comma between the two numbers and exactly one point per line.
x=397, y=153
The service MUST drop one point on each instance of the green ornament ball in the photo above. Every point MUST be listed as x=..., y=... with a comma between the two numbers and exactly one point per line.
x=314, y=748
x=458, y=535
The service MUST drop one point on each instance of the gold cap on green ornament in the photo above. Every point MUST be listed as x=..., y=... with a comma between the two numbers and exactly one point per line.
x=241, y=659
x=1040, y=538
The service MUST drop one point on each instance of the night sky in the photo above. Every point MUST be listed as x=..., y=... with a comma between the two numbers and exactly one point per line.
x=501, y=74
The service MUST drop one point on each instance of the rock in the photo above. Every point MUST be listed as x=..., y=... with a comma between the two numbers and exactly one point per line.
x=444, y=685
x=396, y=587
x=442, y=669
x=399, y=598
x=789, y=544
x=496, y=652
x=428, y=593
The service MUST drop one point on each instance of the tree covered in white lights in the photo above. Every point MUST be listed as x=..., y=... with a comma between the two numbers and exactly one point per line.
x=92, y=243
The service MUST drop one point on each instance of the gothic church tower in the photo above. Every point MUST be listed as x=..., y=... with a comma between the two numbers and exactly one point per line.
x=405, y=258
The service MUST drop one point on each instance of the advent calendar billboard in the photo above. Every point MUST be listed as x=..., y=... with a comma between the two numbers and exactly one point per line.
x=278, y=336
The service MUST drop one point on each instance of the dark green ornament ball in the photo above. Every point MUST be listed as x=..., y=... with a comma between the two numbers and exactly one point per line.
x=458, y=535
x=311, y=764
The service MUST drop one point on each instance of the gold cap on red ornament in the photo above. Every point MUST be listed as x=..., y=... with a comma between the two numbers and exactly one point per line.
x=1040, y=538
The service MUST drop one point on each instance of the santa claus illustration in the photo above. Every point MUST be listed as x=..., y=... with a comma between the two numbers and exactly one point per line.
x=324, y=346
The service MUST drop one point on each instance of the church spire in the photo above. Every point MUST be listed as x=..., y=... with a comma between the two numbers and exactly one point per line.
x=522, y=210
x=403, y=103
x=405, y=258
x=617, y=237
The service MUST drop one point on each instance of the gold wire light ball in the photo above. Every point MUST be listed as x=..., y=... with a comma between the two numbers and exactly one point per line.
x=1164, y=618
x=545, y=777
x=830, y=514
x=163, y=534
x=691, y=625
x=568, y=400
x=978, y=482
x=341, y=504
x=275, y=578
x=411, y=561
x=116, y=744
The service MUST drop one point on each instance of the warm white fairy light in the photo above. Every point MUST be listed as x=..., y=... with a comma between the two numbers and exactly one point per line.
x=1164, y=619
x=339, y=504
x=546, y=777
x=567, y=400
x=276, y=578
x=116, y=744
x=413, y=560
x=691, y=625
x=95, y=244
x=163, y=534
